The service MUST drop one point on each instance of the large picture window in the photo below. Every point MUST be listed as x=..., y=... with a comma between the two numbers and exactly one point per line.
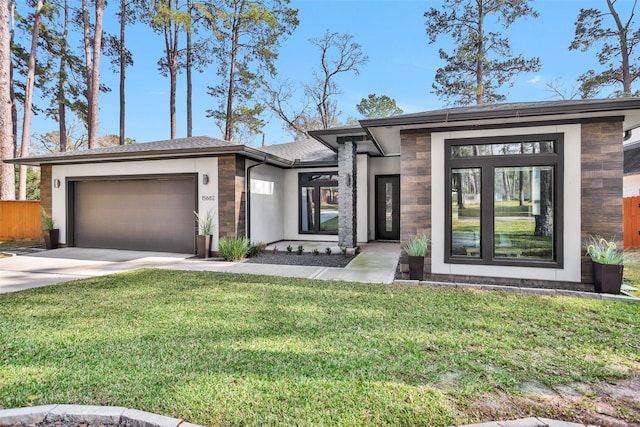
x=504, y=201
x=318, y=203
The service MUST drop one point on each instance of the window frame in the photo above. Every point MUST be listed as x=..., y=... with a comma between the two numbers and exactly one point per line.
x=487, y=166
x=303, y=181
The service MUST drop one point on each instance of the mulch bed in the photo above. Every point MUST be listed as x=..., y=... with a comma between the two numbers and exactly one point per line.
x=308, y=259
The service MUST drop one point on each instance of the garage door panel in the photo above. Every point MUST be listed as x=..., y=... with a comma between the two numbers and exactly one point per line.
x=137, y=214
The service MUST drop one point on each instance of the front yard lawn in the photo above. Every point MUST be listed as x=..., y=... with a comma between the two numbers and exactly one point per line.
x=218, y=349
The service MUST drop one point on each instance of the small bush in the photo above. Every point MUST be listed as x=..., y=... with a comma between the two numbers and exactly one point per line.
x=275, y=249
x=316, y=252
x=327, y=251
x=256, y=249
x=233, y=248
x=343, y=249
x=300, y=250
x=289, y=249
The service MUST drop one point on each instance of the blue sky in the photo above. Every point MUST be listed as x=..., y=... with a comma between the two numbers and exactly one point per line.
x=401, y=65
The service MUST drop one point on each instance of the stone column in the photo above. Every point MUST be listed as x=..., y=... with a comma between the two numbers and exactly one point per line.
x=347, y=172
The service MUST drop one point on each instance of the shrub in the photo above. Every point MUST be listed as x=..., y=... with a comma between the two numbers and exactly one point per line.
x=256, y=249
x=289, y=249
x=233, y=248
x=316, y=252
x=300, y=250
x=327, y=251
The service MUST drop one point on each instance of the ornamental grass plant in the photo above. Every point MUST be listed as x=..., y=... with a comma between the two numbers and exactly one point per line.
x=233, y=248
x=604, y=251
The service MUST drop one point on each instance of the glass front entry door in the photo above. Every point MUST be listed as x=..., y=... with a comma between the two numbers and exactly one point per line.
x=388, y=207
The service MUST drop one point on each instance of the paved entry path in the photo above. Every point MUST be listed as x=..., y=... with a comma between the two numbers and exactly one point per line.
x=376, y=263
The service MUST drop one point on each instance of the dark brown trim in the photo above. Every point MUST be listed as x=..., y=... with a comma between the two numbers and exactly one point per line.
x=432, y=129
x=166, y=154
x=508, y=111
x=486, y=164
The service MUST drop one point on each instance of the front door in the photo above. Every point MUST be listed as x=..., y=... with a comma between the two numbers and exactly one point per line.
x=388, y=207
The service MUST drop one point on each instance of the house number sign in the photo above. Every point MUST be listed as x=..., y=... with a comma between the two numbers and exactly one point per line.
x=208, y=198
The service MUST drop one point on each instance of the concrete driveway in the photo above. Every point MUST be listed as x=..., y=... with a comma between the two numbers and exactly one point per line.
x=66, y=264
x=375, y=264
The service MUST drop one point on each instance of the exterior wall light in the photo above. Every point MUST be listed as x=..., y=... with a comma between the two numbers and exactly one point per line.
x=56, y=183
x=205, y=179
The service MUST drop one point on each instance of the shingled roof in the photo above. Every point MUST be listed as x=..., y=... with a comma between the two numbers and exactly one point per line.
x=308, y=150
x=181, y=147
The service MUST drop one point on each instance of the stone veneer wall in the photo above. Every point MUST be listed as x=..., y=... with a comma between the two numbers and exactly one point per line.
x=46, y=199
x=231, y=196
x=347, y=222
x=602, y=172
x=415, y=189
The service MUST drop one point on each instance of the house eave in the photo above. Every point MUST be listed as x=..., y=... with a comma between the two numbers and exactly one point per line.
x=89, y=157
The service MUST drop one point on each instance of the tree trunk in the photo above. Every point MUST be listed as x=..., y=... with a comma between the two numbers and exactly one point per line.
x=123, y=67
x=624, y=49
x=95, y=75
x=228, y=131
x=480, y=57
x=189, y=83
x=62, y=115
x=28, y=100
x=7, y=174
x=86, y=36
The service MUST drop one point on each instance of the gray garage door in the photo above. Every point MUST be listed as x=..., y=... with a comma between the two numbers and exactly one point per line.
x=138, y=214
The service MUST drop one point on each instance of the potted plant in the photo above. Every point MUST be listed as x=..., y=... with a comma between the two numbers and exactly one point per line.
x=608, y=264
x=50, y=232
x=203, y=240
x=416, y=248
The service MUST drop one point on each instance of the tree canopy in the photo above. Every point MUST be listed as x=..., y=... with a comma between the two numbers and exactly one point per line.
x=374, y=106
x=617, y=39
x=482, y=61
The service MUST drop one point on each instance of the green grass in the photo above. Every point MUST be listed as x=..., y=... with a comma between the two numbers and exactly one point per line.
x=219, y=349
x=18, y=243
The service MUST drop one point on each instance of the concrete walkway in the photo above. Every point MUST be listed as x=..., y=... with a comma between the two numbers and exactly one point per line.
x=375, y=264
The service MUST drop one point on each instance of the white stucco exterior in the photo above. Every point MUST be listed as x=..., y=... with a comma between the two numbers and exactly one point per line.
x=571, y=272
x=207, y=193
x=631, y=185
x=267, y=204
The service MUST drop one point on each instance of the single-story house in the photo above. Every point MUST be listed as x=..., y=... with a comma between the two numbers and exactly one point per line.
x=507, y=192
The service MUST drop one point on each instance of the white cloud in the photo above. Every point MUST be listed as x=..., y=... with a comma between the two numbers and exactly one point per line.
x=536, y=79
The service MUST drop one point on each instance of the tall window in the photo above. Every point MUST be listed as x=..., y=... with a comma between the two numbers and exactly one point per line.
x=318, y=203
x=504, y=201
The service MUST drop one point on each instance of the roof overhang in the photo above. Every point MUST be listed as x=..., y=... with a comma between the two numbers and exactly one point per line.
x=332, y=138
x=386, y=131
x=90, y=156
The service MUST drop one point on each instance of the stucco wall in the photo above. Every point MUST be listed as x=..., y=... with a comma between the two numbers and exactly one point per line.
x=207, y=194
x=631, y=186
x=267, y=204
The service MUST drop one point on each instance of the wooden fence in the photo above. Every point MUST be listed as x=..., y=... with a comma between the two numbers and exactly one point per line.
x=20, y=220
x=631, y=216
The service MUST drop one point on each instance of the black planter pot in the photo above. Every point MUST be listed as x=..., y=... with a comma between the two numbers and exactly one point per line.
x=203, y=245
x=416, y=267
x=607, y=278
x=51, y=238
